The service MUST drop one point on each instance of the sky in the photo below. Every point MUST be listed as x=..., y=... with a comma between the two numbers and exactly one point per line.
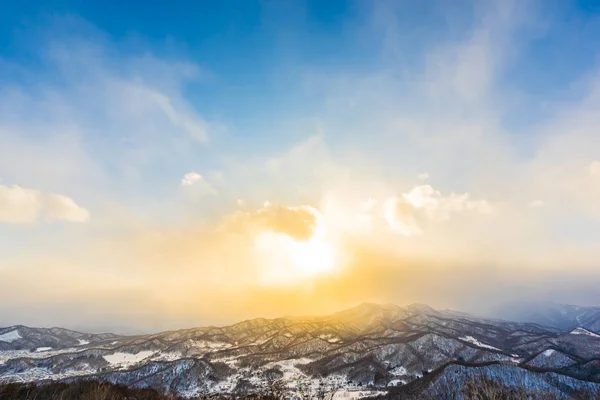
x=175, y=165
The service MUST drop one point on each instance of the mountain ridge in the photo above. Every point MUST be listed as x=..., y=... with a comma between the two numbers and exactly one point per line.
x=367, y=346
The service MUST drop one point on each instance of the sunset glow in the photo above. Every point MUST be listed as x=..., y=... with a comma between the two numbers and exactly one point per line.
x=288, y=261
x=206, y=165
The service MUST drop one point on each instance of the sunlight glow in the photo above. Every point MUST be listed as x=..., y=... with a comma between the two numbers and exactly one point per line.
x=286, y=260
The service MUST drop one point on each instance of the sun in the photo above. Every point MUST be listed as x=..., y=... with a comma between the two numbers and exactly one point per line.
x=287, y=260
x=312, y=257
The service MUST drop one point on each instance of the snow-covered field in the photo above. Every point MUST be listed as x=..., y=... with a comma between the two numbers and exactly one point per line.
x=127, y=359
x=40, y=352
x=330, y=338
x=38, y=374
x=581, y=331
x=477, y=343
x=10, y=336
x=346, y=394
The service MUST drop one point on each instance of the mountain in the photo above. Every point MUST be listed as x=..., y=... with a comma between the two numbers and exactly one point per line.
x=369, y=349
x=560, y=316
x=21, y=337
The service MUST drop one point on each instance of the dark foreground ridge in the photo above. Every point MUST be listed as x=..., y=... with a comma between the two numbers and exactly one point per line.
x=78, y=390
x=476, y=388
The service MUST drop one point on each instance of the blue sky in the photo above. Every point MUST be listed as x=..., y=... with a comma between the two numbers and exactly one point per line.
x=140, y=143
x=268, y=48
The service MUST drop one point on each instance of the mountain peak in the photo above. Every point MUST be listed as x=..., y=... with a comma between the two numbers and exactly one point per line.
x=421, y=308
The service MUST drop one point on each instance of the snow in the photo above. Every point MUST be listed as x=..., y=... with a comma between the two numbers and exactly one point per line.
x=37, y=374
x=190, y=392
x=329, y=337
x=126, y=359
x=289, y=369
x=231, y=361
x=41, y=352
x=396, y=382
x=208, y=344
x=581, y=331
x=355, y=394
x=168, y=356
x=294, y=380
x=551, y=359
x=398, y=371
x=10, y=336
x=477, y=343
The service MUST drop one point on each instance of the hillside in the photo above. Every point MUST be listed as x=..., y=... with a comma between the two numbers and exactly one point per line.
x=367, y=350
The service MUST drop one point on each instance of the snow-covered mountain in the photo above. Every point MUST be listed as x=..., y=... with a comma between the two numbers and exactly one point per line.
x=24, y=338
x=365, y=350
x=559, y=316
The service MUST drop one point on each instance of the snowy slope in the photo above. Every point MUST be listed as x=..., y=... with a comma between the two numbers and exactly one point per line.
x=363, y=350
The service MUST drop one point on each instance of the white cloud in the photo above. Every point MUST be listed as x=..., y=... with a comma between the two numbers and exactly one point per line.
x=437, y=206
x=423, y=176
x=197, y=185
x=193, y=125
x=190, y=178
x=98, y=110
x=18, y=205
x=25, y=206
x=57, y=206
x=417, y=212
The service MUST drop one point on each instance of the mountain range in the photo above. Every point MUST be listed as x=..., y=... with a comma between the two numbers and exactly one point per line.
x=364, y=351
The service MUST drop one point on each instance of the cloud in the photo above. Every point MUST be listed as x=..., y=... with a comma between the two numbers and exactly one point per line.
x=25, y=206
x=406, y=214
x=99, y=119
x=56, y=206
x=299, y=222
x=196, y=186
x=436, y=206
x=193, y=125
x=191, y=178
x=400, y=218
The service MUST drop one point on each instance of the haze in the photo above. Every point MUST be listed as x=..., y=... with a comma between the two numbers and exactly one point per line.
x=185, y=167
